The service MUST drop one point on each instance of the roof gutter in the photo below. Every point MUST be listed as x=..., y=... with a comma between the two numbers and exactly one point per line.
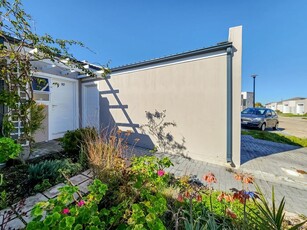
x=229, y=104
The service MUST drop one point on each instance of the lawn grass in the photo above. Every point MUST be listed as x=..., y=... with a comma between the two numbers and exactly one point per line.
x=291, y=115
x=276, y=137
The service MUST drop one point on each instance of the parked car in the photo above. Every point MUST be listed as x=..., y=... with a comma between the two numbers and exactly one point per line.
x=260, y=118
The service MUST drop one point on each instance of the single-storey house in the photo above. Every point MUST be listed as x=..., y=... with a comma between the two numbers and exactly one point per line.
x=200, y=91
x=296, y=105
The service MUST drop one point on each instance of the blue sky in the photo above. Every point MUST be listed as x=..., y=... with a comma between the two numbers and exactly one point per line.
x=126, y=31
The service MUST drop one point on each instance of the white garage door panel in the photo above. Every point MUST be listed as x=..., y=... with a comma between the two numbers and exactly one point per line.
x=63, y=107
x=300, y=108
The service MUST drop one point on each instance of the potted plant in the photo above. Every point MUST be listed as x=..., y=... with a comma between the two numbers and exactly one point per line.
x=8, y=150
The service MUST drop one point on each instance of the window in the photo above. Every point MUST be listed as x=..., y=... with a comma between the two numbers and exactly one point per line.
x=41, y=89
x=40, y=84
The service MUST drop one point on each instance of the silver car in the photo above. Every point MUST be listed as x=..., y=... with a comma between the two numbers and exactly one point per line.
x=260, y=118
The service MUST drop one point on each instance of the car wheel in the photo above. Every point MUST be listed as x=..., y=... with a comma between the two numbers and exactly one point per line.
x=276, y=126
x=263, y=127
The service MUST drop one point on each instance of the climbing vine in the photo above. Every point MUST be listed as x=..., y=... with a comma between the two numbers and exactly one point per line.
x=19, y=48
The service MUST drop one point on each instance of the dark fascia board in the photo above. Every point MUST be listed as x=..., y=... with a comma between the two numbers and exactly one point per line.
x=219, y=47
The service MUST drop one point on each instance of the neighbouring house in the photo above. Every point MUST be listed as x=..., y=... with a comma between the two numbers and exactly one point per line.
x=200, y=90
x=247, y=100
x=296, y=105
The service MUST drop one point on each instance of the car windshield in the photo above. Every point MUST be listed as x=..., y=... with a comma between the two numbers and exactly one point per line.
x=253, y=111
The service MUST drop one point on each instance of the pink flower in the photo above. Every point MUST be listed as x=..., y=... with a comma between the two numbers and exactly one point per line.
x=161, y=172
x=81, y=203
x=66, y=211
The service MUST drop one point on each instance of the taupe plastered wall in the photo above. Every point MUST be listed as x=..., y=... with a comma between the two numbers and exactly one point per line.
x=192, y=93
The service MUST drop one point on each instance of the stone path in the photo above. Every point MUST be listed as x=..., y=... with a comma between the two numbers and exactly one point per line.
x=19, y=214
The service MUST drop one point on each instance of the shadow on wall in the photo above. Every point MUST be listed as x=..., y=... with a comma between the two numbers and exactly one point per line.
x=153, y=135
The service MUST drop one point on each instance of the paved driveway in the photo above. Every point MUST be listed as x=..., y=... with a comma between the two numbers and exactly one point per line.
x=274, y=161
x=295, y=126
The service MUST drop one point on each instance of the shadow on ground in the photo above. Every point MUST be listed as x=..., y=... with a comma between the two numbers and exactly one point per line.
x=252, y=148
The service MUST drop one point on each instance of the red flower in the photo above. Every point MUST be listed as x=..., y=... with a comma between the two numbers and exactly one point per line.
x=66, y=211
x=161, y=172
x=231, y=213
x=210, y=178
x=81, y=203
x=199, y=198
x=241, y=195
x=180, y=198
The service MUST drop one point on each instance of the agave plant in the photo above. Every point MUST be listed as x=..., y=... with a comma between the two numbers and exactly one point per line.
x=271, y=217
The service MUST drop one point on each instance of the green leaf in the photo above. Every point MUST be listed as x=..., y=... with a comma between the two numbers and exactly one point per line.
x=78, y=227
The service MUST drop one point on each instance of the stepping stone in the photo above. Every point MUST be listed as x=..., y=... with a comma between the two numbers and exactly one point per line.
x=6, y=215
x=15, y=224
x=88, y=173
x=53, y=191
x=83, y=187
x=29, y=203
x=78, y=179
x=28, y=218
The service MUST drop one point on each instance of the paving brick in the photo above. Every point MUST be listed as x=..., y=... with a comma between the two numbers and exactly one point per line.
x=88, y=173
x=6, y=215
x=29, y=203
x=53, y=191
x=15, y=224
x=83, y=187
x=78, y=179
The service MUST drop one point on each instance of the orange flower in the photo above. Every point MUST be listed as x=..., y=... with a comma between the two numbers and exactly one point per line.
x=187, y=194
x=231, y=213
x=248, y=179
x=228, y=198
x=239, y=176
x=210, y=178
x=199, y=198
x=221, y=197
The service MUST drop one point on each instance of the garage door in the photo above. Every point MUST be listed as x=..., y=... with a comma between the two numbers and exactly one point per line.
x=63, y=114
x=286, y=108
x=300, y=108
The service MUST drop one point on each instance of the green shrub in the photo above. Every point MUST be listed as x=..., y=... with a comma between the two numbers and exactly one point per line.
x=52, y=170
x=8, y=149
x=72, y=140
x=42, y=186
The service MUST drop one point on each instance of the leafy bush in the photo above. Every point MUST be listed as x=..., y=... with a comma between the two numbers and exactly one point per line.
x=72, y=140
x=52, y=170
x=84, y=213
x=8, y=149
x=42, y=186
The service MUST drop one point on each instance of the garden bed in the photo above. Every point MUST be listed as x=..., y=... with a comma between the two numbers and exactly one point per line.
x=17, y=184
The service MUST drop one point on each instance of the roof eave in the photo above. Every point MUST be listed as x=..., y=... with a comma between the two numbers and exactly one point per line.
x=188, y=54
